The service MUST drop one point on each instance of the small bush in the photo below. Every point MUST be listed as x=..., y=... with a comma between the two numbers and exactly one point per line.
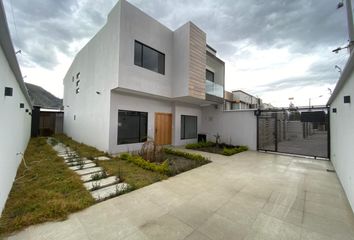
x=192, y=156
x=141, y=162
x=152, y=152
x=200, y=145
x=232, y=151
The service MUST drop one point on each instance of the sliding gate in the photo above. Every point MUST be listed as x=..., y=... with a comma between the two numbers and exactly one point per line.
x=300, y=131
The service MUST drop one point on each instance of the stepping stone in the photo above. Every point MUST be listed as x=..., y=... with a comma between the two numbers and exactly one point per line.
x=110, y=191
x=88, y=177
x=101, y=183
x=89, y=170
x=78, y=167
x=102, y=158
x=74, y=163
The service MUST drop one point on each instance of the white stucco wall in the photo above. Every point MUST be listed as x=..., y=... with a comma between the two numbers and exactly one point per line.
x=185, y=109
x=15, y=128
x=136, y=25
x=98, y=65
x=342, y=137
x=124, y=101
x=235, y=127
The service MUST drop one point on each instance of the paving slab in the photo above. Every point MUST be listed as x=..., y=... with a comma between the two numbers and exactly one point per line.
x=85, y=166
x=106, y=192
x=101, y=183
x=102, y=158
x=88, y=177
x=73, y=163
x=89, y=170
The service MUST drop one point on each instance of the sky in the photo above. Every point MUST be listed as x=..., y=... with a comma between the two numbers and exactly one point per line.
x=274, y=49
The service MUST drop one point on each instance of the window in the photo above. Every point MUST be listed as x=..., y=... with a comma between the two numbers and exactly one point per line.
x=132, y=127
x=209, y=75
x=188, y=127
x=77, y=83
x=78, y=75
x=149, y=58
x=77, y=90
x=8, y=91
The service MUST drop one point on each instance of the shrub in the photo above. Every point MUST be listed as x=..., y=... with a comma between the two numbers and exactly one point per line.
x=192, y=156
x=232, y=151
x=141, y=162
x=152, y=152
x=200, y=145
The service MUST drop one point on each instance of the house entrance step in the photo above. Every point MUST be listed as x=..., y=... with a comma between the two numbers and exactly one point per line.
x=93, y=185
x=110, y=191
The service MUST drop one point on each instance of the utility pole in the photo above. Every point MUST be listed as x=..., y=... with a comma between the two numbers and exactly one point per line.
x=350, y=25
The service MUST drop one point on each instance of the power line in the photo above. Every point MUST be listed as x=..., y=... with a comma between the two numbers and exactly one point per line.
x=13, y=19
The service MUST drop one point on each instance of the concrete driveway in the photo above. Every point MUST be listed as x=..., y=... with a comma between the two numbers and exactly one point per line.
x=246, y=196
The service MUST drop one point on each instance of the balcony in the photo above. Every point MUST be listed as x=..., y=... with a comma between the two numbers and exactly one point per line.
x=214, y=89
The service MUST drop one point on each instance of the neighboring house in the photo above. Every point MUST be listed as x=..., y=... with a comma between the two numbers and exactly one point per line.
x=342, y=129
x=137, y=79
x=243, y=100
x=15, y=116
x=238, y=100
x=47, y=114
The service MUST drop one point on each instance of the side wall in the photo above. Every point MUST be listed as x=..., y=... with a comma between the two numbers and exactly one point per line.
x=15, y=125
x=86, y=117
x=342, y=138
x=235, y=127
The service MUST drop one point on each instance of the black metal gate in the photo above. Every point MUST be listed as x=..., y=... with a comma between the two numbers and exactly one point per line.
x=300, y=131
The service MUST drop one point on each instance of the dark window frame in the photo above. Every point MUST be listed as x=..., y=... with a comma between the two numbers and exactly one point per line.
x=183, y=130
x=140, y=139
x=213, y=74
x=163, y=71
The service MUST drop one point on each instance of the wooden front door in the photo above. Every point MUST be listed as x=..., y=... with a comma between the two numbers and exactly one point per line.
x=163, y=128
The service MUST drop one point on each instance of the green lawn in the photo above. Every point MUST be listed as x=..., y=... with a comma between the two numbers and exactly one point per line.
x=48, y=190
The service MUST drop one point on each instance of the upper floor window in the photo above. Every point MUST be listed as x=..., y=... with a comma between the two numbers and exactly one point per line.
x=147, y=57
x=209, y=75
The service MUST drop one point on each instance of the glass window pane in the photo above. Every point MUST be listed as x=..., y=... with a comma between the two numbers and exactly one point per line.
x=161, y=63
x=209, y=75
x=150, y=59
x=182, y=127
x=138, y=48
x=132, y=127
x=188, y=127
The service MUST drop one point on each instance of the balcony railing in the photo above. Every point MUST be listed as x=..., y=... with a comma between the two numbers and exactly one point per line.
x=214, y=89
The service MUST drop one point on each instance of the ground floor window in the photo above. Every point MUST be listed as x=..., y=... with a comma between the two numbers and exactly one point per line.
x=132, y=127
x=188, y=127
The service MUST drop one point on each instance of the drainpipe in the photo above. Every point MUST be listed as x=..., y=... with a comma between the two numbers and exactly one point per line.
x=350, y=25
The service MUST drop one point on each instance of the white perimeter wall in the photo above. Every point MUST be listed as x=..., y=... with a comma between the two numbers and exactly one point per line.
x=342, y=138
x=15, y=128
x=235, y=127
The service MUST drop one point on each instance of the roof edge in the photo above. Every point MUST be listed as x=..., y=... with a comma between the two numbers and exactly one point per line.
x=347, y=71
x=7, y=47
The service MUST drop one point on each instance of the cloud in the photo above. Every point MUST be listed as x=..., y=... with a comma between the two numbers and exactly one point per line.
x=45, y=27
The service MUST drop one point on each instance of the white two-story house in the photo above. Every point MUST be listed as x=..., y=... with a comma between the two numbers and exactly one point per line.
x=138, y=80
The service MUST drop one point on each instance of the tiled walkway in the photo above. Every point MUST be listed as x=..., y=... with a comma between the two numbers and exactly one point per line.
x=246, y=196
